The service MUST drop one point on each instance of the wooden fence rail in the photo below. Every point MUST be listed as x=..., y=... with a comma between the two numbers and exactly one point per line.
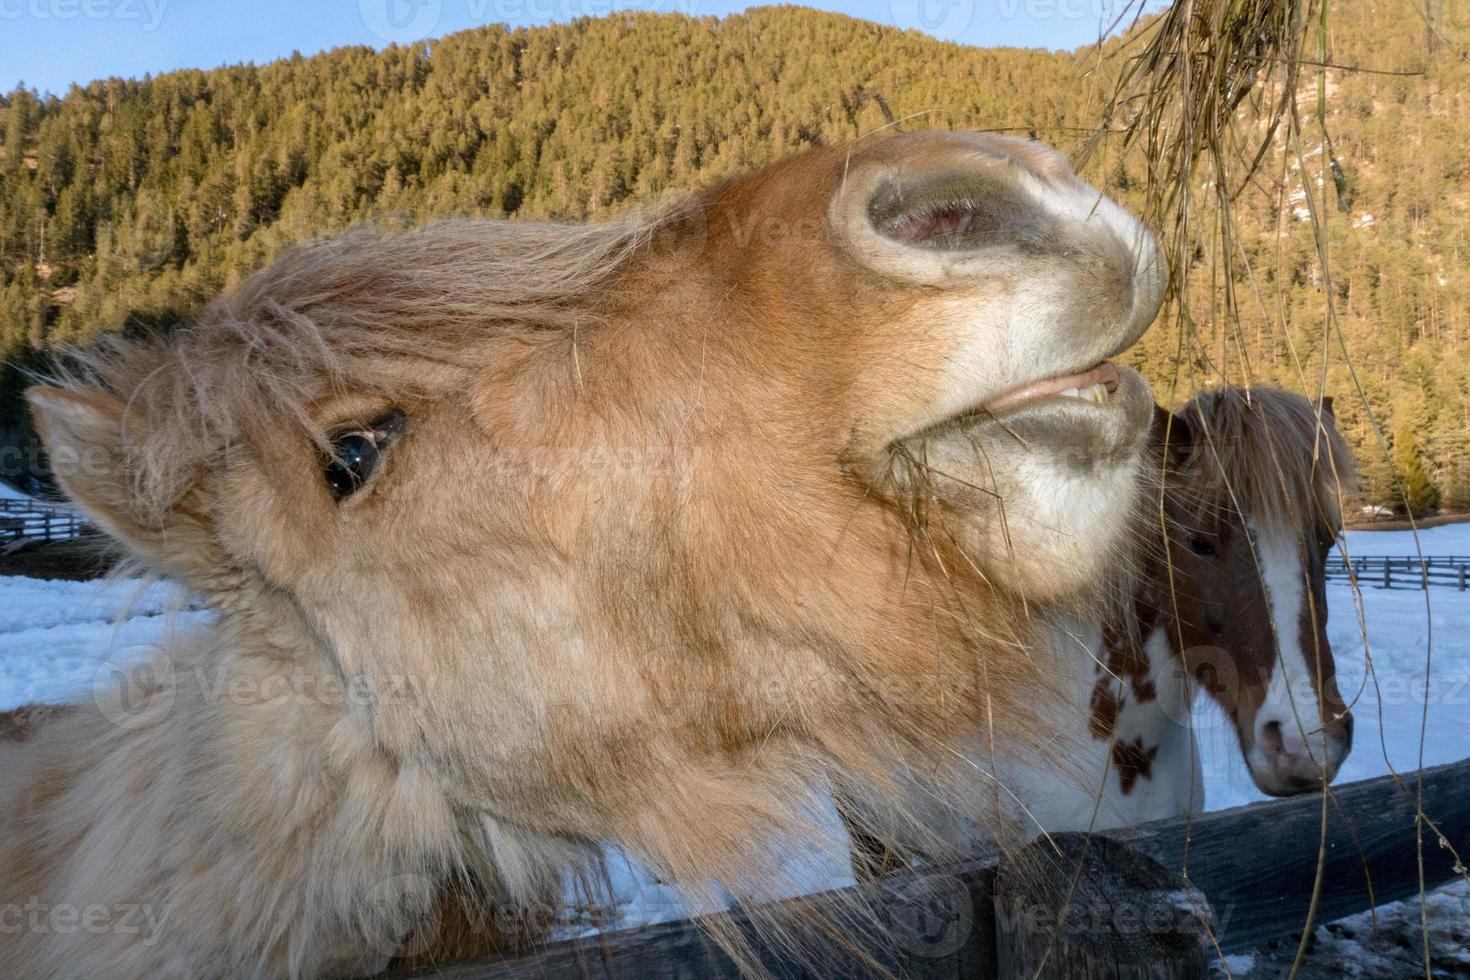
x=1403, y=572
x=1255, y=864
x=33, y=520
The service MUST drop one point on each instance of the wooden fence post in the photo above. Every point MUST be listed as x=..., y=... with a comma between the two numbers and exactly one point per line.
x=1083, y=907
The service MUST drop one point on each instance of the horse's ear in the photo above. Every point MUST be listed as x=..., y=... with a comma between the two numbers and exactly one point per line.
x=1161, y=421
x=1172, y=432
x=1327, y=406
x=87, y=435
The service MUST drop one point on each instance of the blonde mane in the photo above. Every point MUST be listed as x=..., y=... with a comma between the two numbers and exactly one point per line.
x=369, y=312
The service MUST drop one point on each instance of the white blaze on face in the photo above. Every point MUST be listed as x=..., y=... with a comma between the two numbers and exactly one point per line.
x=1291, y=697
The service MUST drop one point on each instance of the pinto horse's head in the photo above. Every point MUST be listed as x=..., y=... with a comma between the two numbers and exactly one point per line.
x=1251, y=499
x=614, y=522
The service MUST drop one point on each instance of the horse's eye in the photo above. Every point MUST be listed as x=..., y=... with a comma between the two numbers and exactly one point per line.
x=1201, y=546
x=355, y=454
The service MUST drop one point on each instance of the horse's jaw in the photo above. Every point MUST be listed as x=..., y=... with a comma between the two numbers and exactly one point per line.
x=1045, y=491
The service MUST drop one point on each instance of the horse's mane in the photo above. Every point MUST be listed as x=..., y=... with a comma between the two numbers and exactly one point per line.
x=1269, y=453
x=366, y=312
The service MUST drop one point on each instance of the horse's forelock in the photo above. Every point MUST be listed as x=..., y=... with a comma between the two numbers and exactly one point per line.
x=401, y=315
x=1270, y=454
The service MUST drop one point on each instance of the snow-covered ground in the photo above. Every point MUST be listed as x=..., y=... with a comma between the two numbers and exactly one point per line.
x=1386, y=943
x=58, y=639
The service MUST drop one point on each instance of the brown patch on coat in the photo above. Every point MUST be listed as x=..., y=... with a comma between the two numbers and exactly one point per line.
x=1134, y=761
x=1106, y=705
x=1126, y=664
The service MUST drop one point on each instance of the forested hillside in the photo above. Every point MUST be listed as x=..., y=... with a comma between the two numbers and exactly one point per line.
x=129, y=203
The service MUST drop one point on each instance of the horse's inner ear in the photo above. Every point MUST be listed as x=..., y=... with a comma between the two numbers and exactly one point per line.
x=957, y=212
x=1327, y=406
x=1174, y=435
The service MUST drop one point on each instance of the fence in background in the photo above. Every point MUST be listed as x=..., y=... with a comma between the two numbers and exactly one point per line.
x=1407, y=572
x=32, y=520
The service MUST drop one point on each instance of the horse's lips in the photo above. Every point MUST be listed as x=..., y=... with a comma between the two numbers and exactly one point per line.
x=1105, y=373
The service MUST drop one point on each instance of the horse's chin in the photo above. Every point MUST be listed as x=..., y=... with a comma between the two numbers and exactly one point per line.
x=1061, y=538
x=1050, y=489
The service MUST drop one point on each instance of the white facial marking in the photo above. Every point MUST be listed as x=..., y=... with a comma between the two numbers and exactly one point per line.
x=1291, y=696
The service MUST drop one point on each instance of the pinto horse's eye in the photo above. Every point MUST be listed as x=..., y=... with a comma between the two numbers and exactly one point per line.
x=355, y=454
x=1201, y=546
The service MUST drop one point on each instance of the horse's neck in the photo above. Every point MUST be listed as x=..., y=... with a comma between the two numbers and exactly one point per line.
x=248, y=783
x=1124, y=735
x=1154, y=754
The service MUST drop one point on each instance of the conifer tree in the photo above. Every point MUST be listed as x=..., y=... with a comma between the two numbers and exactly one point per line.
x=1419, y=494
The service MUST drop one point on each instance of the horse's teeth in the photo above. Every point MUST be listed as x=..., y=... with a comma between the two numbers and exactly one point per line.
x=1097, y=394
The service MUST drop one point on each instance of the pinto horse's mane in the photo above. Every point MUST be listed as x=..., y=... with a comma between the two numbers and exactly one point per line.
x=1269, y=453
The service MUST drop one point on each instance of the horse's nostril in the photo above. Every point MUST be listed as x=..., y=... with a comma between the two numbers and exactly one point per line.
x=1270, y=737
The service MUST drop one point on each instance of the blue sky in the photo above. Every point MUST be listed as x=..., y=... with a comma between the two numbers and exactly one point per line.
x=52, y=43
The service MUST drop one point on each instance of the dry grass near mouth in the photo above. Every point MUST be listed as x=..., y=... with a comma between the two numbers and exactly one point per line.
x=1206, y=94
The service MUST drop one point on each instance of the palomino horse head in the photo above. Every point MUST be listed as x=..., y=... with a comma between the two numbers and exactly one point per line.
x=615, y=526
x=1251, y=501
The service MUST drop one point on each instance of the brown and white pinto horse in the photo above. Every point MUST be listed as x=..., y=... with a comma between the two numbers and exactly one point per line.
x=1226, y=593
x=1251, y=517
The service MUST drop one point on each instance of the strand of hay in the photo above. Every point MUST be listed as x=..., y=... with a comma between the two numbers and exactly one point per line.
x=1183, y=78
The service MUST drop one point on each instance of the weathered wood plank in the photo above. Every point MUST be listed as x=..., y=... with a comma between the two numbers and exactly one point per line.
x=1087, y=907
x=1254, y=864
x=940, y=924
